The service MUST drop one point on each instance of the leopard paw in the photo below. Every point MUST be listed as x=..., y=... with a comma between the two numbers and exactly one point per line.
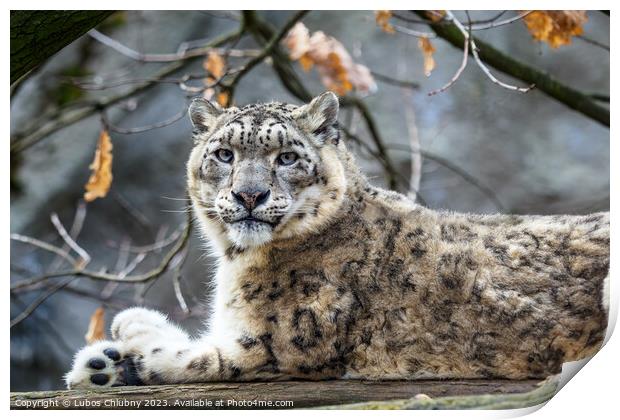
x=144, y=325
x=103, y=364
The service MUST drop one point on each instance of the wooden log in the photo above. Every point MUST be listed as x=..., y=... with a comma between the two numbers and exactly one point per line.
x=298, y=394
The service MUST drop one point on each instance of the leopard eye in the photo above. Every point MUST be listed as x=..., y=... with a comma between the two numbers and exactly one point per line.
x=224, y=155
x=287, y=159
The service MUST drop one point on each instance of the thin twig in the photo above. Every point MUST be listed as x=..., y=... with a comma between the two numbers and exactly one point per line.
x=375, y=135
x=76, y=228
x=477, y=25
x=67, y=116
x=151, y=274
x=392, y=81
x=414, y=143
x=458, y=72
x=483, y=67
x=267, y=50
x=544, y=82
x=135, y=130
x=493, y=24
x=132, y=265
x=376, y=155
x=38, y=301
x=176, y=283
x=488, y=192
x=46, y=246
x=413, y=32
x=183, y=53
x=593, y=42
x=69, y=240
x=156, y=246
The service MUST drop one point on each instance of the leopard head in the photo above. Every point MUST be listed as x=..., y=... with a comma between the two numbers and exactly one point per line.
x=265, y=172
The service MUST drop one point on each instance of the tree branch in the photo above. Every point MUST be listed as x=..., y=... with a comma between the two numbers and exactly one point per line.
x=151, y=274
x=267, y=50
x=36, y=35
x=65, y=117
x=570, y=97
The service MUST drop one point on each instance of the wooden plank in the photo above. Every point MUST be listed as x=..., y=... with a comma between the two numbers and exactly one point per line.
x=257, y=395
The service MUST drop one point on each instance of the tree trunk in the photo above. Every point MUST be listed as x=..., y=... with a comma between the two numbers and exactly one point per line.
x=437, y=394
x=37, y=35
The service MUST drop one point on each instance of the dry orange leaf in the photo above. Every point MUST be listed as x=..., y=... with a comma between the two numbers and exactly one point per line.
x=215, y=64
x=337, y=69
x=436, y=15
x=427, y=50
x=306, y=62
x=96, y=327
x=101, y=177
x=222, y=98
x=556, y=27
x=382, y=17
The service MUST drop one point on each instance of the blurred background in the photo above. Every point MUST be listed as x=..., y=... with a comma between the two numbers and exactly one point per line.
x=484, y=148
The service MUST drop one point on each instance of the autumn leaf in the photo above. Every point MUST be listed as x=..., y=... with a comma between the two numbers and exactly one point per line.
x=96, y=327
x=436, y=15
x=215, y=65
x=101, y=177
x=427, y=50
x=222, y=98
x=298, y=43
x=382, y=17
x=306, y=62
x=332, y=61
x=555, y=27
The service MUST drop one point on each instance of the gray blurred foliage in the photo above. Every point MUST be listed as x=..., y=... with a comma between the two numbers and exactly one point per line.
x=537, y=155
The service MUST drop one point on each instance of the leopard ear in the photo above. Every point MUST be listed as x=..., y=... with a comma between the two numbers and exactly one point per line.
x=204, y=114
x=320, y=117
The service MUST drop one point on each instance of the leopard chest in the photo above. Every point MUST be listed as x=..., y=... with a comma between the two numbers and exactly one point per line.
x=299, y=317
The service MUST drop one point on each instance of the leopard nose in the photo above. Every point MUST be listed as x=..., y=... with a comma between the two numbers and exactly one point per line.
x=251, y=199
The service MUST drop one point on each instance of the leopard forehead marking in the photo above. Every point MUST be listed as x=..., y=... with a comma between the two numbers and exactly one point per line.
x=261, y=128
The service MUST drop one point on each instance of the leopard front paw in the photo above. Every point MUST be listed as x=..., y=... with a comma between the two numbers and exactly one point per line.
x=103, y=364
x=141, y=325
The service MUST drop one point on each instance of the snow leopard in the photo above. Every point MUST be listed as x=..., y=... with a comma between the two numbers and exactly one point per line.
x=321, y=275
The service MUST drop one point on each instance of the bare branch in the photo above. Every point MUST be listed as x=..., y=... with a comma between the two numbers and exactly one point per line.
x=392, y=81
x=414, y=143
x=469, y=178
x=176, y=283
x=413, y=32
x=594, y=42
x=477, y=25
x=67, y=116
x=485, y=69
x=177, y=117
x=69, y=240
x=267, y=50
x=493, y=57
x=458, y=72
x=132, y=265
x=184, y=51
x=156, y=246
x=494, y=24
x=375, y=134
x=151, y=274
x=474, y=50
x=38, y=301
x=46, y=246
